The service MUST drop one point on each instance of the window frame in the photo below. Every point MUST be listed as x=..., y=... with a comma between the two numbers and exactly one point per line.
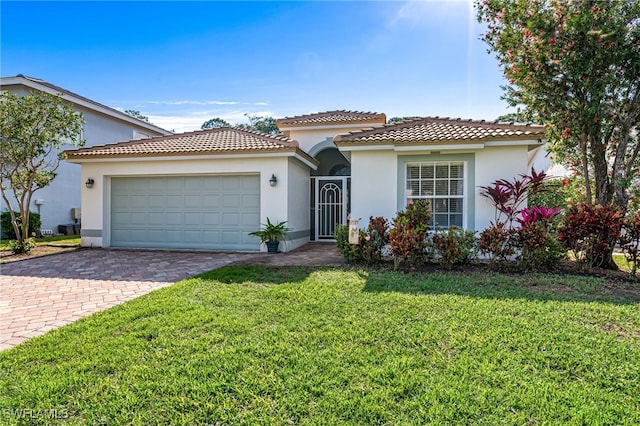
x=434, y=163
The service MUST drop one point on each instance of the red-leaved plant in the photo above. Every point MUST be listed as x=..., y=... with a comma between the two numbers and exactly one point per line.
x=408, y=238
x=591, y=232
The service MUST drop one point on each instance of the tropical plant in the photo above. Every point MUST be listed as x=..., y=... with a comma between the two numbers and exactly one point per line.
x=408, y=238
x=575, y=67
x=272, y=232
x=454, y=246
x=591, y=231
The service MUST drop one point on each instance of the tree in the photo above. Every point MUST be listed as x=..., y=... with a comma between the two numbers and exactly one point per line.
x=214, y=123
x=261, y=124
x=33, y=129
x=137, y=114
x=394, y=120
x=575, y=66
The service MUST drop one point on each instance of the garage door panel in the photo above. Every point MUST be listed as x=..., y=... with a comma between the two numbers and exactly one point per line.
x=193, y=219
x=174, y=201
x=214, y=212
x=193, y=236
x=251, y=201
x=233, y=184
x=173, y=219
x=155, y=218
x=139, y=187
x=210, y=201
x=120, y=202
x=210, y=219
x=250, y=218
x=193, y=201
x=139, y=201
x=174, y=184
x=139, y=218
x=231, y=219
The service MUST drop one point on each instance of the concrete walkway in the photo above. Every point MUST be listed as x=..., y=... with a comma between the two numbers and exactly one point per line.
x=40, y=294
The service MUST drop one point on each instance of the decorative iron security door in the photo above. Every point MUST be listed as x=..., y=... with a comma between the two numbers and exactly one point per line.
x=331, y=205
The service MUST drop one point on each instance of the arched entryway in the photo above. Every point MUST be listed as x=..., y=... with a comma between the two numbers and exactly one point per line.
x=330, y=186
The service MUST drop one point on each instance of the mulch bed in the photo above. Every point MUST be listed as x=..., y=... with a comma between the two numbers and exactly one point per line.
x=6, y=256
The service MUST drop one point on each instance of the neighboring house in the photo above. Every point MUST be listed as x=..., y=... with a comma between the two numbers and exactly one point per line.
x=102, y=125
x=209, y=189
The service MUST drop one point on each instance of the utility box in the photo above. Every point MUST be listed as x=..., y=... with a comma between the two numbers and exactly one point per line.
x=76, y=213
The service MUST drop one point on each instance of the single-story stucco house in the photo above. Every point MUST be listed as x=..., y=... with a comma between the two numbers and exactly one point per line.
x=59, y=203
x=208, y=189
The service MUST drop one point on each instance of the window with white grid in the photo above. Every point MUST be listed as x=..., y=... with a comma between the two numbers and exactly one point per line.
x=441, y=185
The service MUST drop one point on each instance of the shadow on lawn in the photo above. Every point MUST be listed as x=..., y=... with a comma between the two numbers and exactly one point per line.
x=483, y=284
x=267, y=274
x=479, y=284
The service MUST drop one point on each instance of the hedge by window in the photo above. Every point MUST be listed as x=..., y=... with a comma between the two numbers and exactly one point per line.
x=441, y=184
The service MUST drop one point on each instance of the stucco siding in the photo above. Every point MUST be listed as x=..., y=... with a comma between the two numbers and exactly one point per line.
x=491, y=164
x=308, y=138
x=96, y=201
x=373, y=184
x=298, y=207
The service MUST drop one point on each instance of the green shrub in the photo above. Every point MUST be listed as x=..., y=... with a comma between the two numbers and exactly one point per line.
x=7, y=227
x=17, y=247
x=371, y=241
x=349, y=251
x=454, y=246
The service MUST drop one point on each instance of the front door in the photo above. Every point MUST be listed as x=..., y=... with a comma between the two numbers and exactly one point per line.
x=331, y=207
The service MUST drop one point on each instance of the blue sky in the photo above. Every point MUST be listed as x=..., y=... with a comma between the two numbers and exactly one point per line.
x=182, y=63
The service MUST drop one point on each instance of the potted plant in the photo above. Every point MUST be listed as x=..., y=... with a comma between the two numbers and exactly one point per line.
x=271, y=234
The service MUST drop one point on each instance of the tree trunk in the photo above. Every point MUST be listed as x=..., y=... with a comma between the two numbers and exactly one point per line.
x=585, y=168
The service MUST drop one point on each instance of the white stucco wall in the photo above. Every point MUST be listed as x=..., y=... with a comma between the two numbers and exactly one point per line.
x=274, y=201
x=373, y=185
x=298, y=210
x=493, y=163
x=375, y=174
x=310, y=137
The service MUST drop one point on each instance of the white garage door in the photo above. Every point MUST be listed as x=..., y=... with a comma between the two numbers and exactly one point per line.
x=187, y=212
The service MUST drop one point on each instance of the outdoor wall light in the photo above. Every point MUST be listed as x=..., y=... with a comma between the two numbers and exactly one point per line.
x=273, y=181
x=89, y=183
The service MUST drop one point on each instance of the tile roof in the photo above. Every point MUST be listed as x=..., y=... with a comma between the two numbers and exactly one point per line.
x=112, y=111
x=332, y=117
x=221, y=140
x=436, y=129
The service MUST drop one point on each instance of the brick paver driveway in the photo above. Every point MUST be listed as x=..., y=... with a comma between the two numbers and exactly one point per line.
x=41, y=294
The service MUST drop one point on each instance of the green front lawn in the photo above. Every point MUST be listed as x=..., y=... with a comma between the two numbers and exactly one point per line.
x=261, y=345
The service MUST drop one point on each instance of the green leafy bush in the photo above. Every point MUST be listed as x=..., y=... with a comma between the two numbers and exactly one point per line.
x=7, y=227
x=591, y=232
x=454, y=246
x=371, y=241
x=17, y=247
x=408, y=238
x=349, y=251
